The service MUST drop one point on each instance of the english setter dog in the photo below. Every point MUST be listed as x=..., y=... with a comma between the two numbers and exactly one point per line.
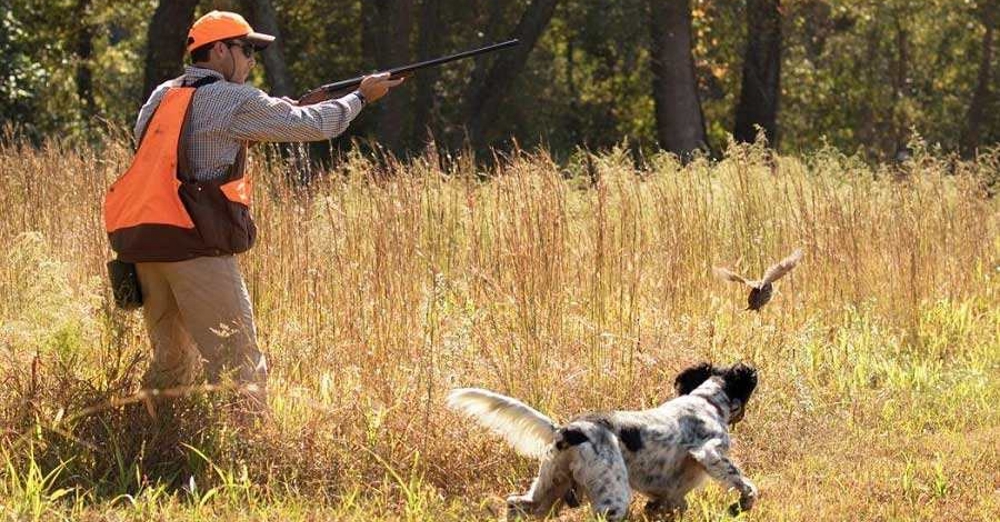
x=663, y=452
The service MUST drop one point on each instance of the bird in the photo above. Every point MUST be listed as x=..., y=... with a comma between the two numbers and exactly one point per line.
x=761, y=290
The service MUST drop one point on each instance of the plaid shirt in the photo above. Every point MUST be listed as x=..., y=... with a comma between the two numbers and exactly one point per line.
x=225, y=115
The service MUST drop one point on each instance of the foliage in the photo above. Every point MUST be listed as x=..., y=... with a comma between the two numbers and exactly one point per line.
x=857, y=74
x=22, y=76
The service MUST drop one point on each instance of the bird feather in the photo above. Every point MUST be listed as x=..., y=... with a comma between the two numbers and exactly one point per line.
x=783, y=267
x=728, y=275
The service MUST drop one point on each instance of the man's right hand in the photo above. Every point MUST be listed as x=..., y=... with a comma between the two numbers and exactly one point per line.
x=374, y=86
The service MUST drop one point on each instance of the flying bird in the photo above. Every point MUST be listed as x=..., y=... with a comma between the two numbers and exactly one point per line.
x=761, y=291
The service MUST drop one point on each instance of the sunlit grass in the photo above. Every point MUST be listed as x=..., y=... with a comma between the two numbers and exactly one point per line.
x=574, y=287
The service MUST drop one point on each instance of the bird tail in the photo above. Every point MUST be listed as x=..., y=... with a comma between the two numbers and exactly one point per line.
x=527, y=430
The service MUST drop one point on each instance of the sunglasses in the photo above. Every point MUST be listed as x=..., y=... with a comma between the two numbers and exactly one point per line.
x=247, y=48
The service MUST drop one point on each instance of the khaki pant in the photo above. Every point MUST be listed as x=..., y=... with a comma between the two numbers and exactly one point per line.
x=199, y=311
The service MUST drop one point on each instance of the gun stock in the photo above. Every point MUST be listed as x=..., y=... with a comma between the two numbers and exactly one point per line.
x=331, y=90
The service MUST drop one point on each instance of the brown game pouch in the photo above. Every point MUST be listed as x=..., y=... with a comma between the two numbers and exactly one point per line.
x=125, y=284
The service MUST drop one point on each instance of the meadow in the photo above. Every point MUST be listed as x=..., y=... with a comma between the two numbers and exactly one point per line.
x=574, y=286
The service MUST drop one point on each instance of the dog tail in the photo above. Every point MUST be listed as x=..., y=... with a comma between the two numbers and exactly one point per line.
x=522, y=426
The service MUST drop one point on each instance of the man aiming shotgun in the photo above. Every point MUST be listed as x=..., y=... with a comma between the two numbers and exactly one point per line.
x=179, y=214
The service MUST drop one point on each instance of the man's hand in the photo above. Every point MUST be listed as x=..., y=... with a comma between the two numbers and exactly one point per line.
x=375, y=86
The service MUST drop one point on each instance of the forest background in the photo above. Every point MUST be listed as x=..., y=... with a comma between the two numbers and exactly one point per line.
x=861, y=75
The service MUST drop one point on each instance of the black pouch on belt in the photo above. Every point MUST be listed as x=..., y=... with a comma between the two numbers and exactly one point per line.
x=125, y=284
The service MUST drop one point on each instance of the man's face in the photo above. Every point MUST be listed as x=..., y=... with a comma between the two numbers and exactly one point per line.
x=242, y=60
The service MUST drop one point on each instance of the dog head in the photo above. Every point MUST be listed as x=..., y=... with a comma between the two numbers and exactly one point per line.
x=739, y=382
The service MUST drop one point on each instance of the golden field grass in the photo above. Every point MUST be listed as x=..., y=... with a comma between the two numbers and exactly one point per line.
x=574, y=287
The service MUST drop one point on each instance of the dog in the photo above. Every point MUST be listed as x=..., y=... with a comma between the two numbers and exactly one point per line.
x=663, y=452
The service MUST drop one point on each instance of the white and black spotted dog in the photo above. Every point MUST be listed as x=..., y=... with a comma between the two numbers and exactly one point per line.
x=663, y=452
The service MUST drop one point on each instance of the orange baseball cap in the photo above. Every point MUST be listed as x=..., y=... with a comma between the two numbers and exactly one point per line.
x=223, y=25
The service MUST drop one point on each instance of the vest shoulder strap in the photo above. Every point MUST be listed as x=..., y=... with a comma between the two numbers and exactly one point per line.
x=201, y=82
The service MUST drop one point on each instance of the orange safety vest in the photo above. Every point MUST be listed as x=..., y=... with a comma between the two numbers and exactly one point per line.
x=157, y=211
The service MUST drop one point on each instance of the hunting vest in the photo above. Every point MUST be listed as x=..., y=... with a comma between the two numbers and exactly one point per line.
x=158, y=211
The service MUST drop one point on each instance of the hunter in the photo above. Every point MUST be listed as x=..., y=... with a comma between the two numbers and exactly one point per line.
x=182, y=211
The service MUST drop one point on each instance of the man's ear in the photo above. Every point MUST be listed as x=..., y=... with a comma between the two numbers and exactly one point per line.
x=693, y=377
x=218, y=49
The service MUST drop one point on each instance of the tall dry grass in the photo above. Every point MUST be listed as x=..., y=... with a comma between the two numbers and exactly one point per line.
x=574, y=287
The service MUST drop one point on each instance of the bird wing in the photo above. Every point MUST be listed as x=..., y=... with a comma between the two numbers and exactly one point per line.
x=728, y=275
x=783, y=267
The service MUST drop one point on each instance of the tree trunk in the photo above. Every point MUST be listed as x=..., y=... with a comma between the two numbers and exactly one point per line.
x=680, y=124
x=166, y=42
x=982, y=96
x=867, y=70
x=84, y=52
x=760, y=89
x=428, y=46
x=386, y=26
x=484, y=97
x=900, y=82
x=265, y=20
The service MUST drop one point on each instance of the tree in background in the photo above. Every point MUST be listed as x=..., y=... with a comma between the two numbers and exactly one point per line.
x=983, y=94
x=84, y=50
x=760, y=90
x=900, y=75
x=23, y=77
x=680, y=125
x=263, y=18
x=429, y=41
x=484, y=97
x=166, y=41
x=386, y=30
x=594, y=91
x=859, y=75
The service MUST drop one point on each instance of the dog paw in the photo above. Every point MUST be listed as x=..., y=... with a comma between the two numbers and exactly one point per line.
x=612, y=514
x=663, y=510
x=571, y=498
x=610, y=511
x=519, y=507
x=747, y=500
x=749, y=497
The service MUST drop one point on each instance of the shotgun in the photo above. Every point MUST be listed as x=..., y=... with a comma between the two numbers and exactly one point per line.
x=331, y=90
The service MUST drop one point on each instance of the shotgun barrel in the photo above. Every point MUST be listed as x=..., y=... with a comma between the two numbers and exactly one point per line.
x=327, y=91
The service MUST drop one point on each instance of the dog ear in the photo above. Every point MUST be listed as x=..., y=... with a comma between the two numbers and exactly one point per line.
x=741, y=380
x=692, y=377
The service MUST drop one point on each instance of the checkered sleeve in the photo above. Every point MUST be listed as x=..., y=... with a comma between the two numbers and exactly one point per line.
x=147, y=110
x=264, y=118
